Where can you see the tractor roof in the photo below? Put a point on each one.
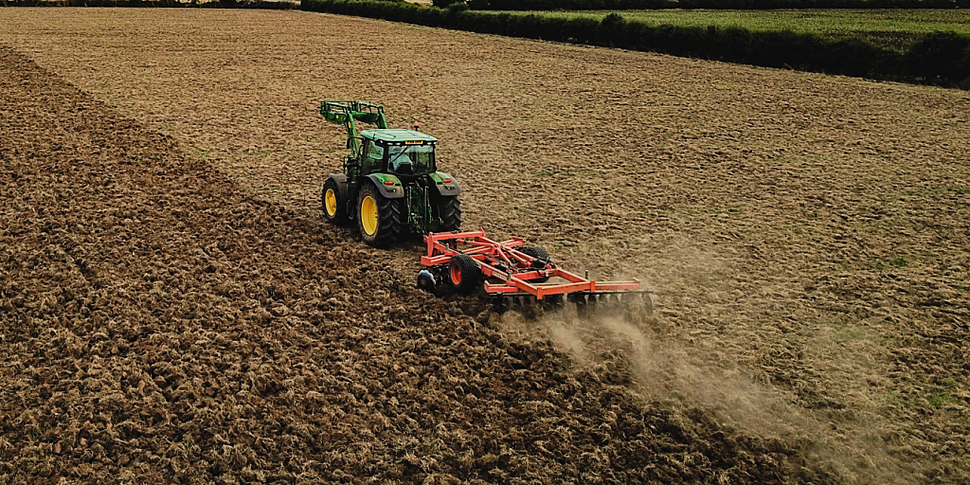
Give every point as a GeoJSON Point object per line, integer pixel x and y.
{"type": "Point", "coordinates": [397, 136]}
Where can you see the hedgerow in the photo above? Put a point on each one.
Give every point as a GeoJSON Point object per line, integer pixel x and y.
{"type": "Point", "coordinates": [706, 4]}
{"type": "Point", "coordinates": [941, 58]}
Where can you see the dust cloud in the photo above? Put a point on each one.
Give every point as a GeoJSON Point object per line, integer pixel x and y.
{"type": "Point", "coordinates": [654, 360]}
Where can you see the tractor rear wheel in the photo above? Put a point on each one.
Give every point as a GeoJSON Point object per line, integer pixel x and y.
{"type": "Point", "coordinates": [464, 275]}
{"type": "Point", "coordinates": [378, 218]}
{"type": "Point", "coordinates": [449, 211]}
{"type": "Point", "coordinates": [334, 206]}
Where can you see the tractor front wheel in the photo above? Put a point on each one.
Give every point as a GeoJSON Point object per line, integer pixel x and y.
{"type": "Point", "coordinates": [464, 275]}
{"type": "Point", "coordinates": [334, 206]}
{"type": "Point", "coordinates": [378, 218]}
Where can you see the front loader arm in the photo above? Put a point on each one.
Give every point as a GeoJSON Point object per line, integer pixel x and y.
{"type": "Point", "coordinates": [347, 112]}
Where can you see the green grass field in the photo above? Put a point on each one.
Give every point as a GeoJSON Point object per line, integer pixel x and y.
{"type": "Point", "coordinates": [893, 28]}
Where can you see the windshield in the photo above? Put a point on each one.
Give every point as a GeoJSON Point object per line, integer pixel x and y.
{"type": "Point", "coordinates": [411, 159]}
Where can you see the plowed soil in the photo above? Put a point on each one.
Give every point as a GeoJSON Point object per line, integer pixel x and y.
{"type": "Point", "coordinates": [174, 309]}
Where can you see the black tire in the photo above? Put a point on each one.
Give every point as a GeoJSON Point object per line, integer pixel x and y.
{"type": "Point", "coordinates": [449, 211]}
{"type": "Point", "coordinates": [536, 252]}
{"type": "Point", "coordinates": [379, 219]}
{"type": "Point", "coordinates": [542, 259]}
{"type": "Point", "coordinates": [334, 206]}
{"type": "Point", "coordinates": [464, 275]}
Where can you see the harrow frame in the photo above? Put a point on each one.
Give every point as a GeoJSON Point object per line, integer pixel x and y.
{"type": "Point", "coordinates": [521, 274]}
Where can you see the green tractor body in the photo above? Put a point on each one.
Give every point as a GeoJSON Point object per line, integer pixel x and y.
{"type": "Point", "coordinates": [390, 185]}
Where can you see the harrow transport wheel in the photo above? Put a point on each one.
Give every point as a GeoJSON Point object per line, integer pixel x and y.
{"type": "Point", "coordinates": [334, 207]}
{"type": "Point", "coordinates": [542, 257]}
{"type": "Point", "coordinates": [378, 218]}
{"type": "Point", "coordinates": [463, 273]}
{"type": "Point", "coordinates": [449, 211]}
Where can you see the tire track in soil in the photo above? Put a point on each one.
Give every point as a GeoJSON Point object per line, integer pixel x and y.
{"type": "Point", "coordinates": [159, 326]}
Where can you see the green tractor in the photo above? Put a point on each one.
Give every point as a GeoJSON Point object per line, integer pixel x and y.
{"type": "Point", "coordinates": [390, 185]}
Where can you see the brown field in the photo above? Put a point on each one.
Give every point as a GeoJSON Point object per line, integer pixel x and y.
{"type": "Point", "coordinates": [174, 309]}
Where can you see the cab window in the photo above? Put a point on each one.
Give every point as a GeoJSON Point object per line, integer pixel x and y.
{"type": "Point", "coordinates": [373, 157]}
{"type": "Point", "coordinates": [411, 159]}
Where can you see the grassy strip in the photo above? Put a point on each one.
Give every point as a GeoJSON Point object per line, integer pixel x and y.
{"type": "Point", "coordinates": [893, 28]}
{"type": "Point", "coordinates": [521, 5]}
{"type": "Point", "coordinates": [936, 57]}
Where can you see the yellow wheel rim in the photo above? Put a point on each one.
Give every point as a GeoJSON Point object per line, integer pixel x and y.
{"type": "Point", "coordinates": [368, 215]}
{"type": "Point", "coordinates": [331, 201]}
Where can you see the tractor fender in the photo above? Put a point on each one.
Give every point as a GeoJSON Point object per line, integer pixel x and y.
{"type": "Point", "coordinates": [388, 185]}
{"type": "Point", "coordinates": [444, 184]}
{"type": "Point", "coordinates": [341, 180]}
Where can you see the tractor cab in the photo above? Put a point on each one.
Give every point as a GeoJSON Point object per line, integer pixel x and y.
{"type": "Point", "coordinates": [397, 151]}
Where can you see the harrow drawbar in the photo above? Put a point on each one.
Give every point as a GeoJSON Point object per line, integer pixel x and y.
{"type": "Point", "coordinates": [516, 276]}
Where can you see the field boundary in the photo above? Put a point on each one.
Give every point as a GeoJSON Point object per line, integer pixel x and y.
{"type": "Point", "coordinates": [705, 4]}
{"type": "Point", "coordinates": [940, 58]}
